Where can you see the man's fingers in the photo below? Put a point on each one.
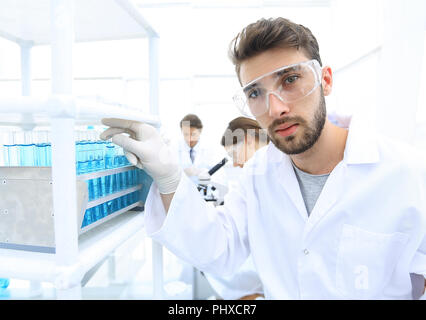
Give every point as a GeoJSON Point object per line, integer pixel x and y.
{"type": "Point", "coordinates": [137, 130]}
{"type": "Point", "coordinates": [129, 125]}
{"type": "Point", "coordinates": [117, 123]}
{"type": "Point", "coordinates": [108, 133]}
{"type": "Point", "coordinates": [131, 157]}
{"type": "Point", "coordinates": [127, 143]}
{"type": "Point", "coordinates": [133, 160]}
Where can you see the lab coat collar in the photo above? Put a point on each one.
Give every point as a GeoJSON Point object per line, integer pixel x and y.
{"type": "Point", "coordinates": [361, 146]}
{"type": "Point", "coordinates": [283, 168]}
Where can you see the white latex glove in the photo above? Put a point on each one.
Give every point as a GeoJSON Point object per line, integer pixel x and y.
{"type": "Point", "coordinates": [192, 171]}
{"type": "Point", "coordinates": [145, 149]}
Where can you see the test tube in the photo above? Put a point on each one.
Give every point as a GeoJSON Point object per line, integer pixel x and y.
{"type": "Point", "coordinates": [110, 180]}
{"type": "Point", "coordinates": [100, 164]}
{"type": "Point", "coordinates": [48, 151]}
{"type": "Point", "coordinates": [4, 283]}
{"type": "Point", "coordinates": [8, 149]}
{"type": "Point", "coordinates": [94, 184]}
{"type": "Point", "coordinates": [109, 207]}
{"type": "Point", "coordinates": [105, 209]}
{"type": "Point", "coordinates": [88, 217]}
{"type": "Point", "coordinates": [109, 155]}
{"type": "Point", "coordinates": [126, 200]}
{"type": "Point", "coordinates": [41, 145]}
{"type": "Point", "coordinates": [81, 157]}
{"type": "Point", "coordinates": [98, 212]}
{"type": "Point", "coordinates": [99, 155]}
{"type": "Point", "coordinates": [114, 205]}
{"type": "Point", "coordinates": [26, 148]}
{"type": "Point", "coordinates": [121, 175]}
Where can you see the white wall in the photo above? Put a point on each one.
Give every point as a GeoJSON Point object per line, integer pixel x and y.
{"type": "Point", "coordinates": [196, 75]}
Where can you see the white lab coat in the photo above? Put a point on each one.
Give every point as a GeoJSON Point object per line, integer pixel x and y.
{"type": "Point", "coordinates": [244, 282]}
{"type": "Point", "coordinates": [365, 235]}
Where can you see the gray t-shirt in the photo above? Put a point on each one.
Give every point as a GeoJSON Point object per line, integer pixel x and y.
{"type": "Point", "coordinates": [310, 186]}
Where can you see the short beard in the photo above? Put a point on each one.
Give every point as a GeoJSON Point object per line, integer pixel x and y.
{"type": "Point", "coordinates": [312, 133]}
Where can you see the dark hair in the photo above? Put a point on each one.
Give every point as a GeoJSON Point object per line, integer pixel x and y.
{"type": "Point", "coordinates": [239, 128]}
{"type": "Point", "coordinates": [268, 34]}
{"type": "Point", "coordinates": [193, 120]}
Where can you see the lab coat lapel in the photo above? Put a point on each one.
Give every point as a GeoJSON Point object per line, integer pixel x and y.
{"type": "Point", "coordinates": [288, 180]}
{"type": "Point", "coordinates": [329, 195]}
{"type": "Point", "coordinates": [361, 148]}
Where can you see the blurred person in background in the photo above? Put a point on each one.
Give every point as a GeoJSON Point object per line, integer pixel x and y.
{"type": "Point", "coordinates": [241, 139]}
{"type": "Point", "coordinates": [195, 156]}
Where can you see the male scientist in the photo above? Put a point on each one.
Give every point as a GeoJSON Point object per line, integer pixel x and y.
{"type": "Point", "coordinates": [194, 156]}
{"type": "Point", "coordinates": [326, 213]}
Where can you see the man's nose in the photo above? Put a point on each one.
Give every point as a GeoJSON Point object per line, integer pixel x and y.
{"type": "Point", "coordinates": [277, 107]}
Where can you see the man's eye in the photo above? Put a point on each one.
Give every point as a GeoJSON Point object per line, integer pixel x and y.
{"type": "Point", "coordinates": [290, 79]}
{"type": "Point", "coordinates": [253, 94]}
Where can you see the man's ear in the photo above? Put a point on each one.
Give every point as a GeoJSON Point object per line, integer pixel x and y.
{"type": "Point", "coordinates": [327, 80]}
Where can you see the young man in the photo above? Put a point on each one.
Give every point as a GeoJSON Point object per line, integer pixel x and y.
{"type": "Point", "coordinates": [194, 156]}
{"type": "Point", "coordinates": [326, 213]}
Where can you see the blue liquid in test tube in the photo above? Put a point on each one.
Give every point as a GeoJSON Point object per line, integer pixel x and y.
{"type": "Point", "coordinates": [27, 154]}
{"type": "Point", "coordinates": [100, 165]}
{"type": "Point", "coordinates": [4, 283]}
{"type": "Point", "coordinates": [88, 217]}
{"type": "Point", "coordinates": [91, 167]}
{"type": "Point", "coordinates": [98, 212]}
{"type": "Point", "coordinates": [11, 150]}
{"type": "Point", "coordinates": [6, 154]}
{"type": "Point", "coordinates": [82, 157]}
{"type": "Point", "coordinates": [27, 149]}
{"type": "Point", "coordinates": [41, 140]}
{"type": "Point", "coordinates": [48, 151]}
{"type": "Point", "coordinates": [109, 164]}
{"type": "Point", "coordinates": [109, 207]}
{"type": "Point", "coordinates": [105, 209]}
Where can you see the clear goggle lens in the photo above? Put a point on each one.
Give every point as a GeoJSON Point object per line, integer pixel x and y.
{"type": "Point", "coordinates": [289, 84]}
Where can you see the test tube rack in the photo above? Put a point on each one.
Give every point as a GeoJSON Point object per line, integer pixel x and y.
{"type": "Point", "coordinates": [26, 204]}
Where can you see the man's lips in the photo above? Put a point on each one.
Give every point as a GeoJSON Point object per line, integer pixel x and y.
{"type": "Point", "coordinates": [286, 129]}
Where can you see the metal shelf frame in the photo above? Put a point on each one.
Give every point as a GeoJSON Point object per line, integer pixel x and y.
{"type": "Point", "coordinates": [74, 257]}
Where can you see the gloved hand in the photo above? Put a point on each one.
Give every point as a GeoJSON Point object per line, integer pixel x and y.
{"type": "Point", "coordinates": [145, 149]}
{"type": "Point", "coordinates": [192, 171]}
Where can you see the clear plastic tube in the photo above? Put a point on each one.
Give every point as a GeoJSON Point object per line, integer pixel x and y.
{"type": "Point", "coordinates": [41, 141]}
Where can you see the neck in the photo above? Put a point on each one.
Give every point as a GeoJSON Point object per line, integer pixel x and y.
{"type": "Point", "coordinates": [326, 153]}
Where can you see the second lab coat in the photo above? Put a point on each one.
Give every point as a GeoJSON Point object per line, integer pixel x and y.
{"type": "Point", "coordinates": [206, 157]}
{"type": "Point", "coordinates": [365, 235]}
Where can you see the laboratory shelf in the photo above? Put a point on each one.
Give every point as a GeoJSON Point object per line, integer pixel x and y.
{"type": "Point", "coordinates": [93, 246]}
{"type": "Point", "coordinates": [94, 203]}
{"type": "Point", "coordinates": [59, 24]}
{"type": "Point", "coordinates": [24, 110]}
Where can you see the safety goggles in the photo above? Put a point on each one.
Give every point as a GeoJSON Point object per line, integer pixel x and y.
{"type": "Point", "coordinates": [289, 84]}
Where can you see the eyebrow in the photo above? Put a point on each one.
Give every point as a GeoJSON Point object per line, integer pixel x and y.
{"type": "Point", "coordinates": [276, 74]}
{"type": "Point", "coordinates": [248, 88]}
{"type": "Point", "coordinates": [281, 72]}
